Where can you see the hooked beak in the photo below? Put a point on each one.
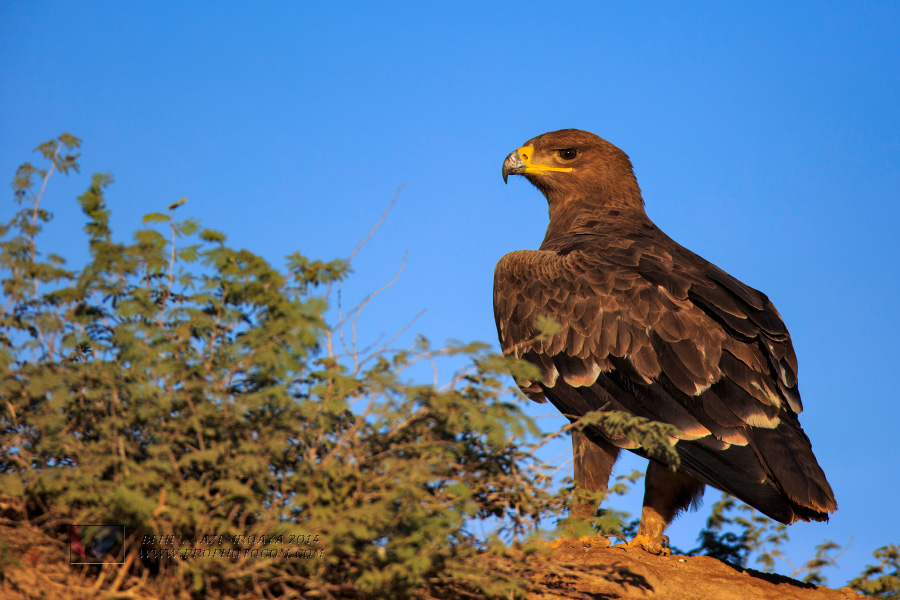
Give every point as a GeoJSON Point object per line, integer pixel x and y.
{"type": "Point", "coordinates": [513, 165]}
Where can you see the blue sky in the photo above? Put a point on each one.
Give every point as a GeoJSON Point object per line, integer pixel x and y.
{"type": "Point", "coordinates": [765, 137]}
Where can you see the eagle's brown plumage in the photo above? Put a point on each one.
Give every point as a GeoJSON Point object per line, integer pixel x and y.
{"type": "Point", "coordinates": [648, 327]}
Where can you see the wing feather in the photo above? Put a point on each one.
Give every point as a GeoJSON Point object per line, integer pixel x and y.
{"type": "Point", "coordinates": [647, 327]}
{"type": "Point", "coordinates": [748, 295]}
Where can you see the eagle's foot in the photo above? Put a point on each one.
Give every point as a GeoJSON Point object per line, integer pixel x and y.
{"type": "Point", "coordinates": [585, 542]}
{"type": "Point", "coordinates": [658, 545]}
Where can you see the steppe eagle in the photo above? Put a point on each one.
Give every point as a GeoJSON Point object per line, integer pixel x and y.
{"type": "Point", "coordinates": [648, 327]}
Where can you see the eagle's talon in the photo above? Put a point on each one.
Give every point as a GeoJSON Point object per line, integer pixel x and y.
{"type": "Point", "coordinates": [658, 545]}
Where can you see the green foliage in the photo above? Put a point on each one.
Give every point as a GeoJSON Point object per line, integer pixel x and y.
{"type": "Point", "coordinates": [756, 532]}
{"type": "Point", "coordinates": [607, 521]}
{"type": "Point", "coordinates": [881, 580]}
{"type": "Point", "coordinates": [734, 532]}
{"type": "Point", "coordinates": [655, 438]}
{"type": "Point", "coordinates": [182, 387]}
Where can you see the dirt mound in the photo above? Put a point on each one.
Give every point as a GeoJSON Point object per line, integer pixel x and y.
{"type": "Point", "coordinates": [626, 573]}
{"type": "Point", "coordinates": [35, 566]}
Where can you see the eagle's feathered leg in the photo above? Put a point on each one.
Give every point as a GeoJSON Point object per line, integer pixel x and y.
{"type": "Point", "coordinates": [666, 493]}
{"type": "Point", "coordinates": [593, 465]}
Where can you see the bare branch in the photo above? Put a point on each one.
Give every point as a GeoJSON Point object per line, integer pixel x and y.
{"type": "Point", "coordinates": [378, 224]}
{"type": "Point", "coordinates": [393, 338]}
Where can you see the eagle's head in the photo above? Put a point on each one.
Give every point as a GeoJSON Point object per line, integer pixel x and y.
{"type": "Point", "coordinates": [574, 165]}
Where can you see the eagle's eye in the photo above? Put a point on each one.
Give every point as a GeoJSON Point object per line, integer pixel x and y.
{"type": "Point", "coordinates": [567, 153]}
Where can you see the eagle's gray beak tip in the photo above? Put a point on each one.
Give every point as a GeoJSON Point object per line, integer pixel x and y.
{"type": "Point", "coordinates": [513, 165]}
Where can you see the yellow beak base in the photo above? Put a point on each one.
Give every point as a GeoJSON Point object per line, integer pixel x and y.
{"type": "Point", "coordinates": [519, 163]}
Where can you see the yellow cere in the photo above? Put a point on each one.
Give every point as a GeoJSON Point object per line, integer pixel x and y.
{"type": "Point", "coordinates": [526, 152]}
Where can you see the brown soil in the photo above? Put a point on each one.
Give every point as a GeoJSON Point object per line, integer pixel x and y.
{"type": "Point", "coordinates": [35, 566]}
{"type": "Point", "coordinates": [626, 573]}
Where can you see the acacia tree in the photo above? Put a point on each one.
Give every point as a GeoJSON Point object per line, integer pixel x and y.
{"type": "Point", "coordinates": [179, 386]}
